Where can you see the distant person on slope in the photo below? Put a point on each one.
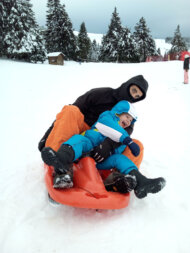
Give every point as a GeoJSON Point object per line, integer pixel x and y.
{"type": "Point", "coordinates": [111, 124]}
{"type": "Point", "coordinates": [186, 69]}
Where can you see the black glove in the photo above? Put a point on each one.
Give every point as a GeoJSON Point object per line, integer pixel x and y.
{"type": "Point", "coordinates": [42, 142]}
{"type": "Point", "coordinates": [104, 150]}
{"type": "Point", "coordinates": [119, 182]}
{"type": "Point", "coordinates": [132, 145]}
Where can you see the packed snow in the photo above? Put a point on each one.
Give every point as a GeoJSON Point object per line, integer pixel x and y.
{"type": "Point", "coordinates": [31, 95]}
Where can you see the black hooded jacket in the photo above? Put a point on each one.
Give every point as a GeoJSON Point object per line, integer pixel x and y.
{"type": "Point", "coordinates": [98, 100]}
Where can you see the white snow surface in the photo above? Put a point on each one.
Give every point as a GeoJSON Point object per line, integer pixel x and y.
{"type": "Point", "coordinates": [31, 95]}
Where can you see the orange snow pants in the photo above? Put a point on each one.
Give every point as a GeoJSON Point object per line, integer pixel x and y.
{"type": "Point", "coordinates": [70, 121]}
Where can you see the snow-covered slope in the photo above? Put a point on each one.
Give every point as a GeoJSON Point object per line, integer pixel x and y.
{"type": "Point", "coordinates": [164, 47]}
{"type": "Point", "coordinates": [30, 97]}
{"type": "Point", "coordinates": [160, 43]}
{"type": "Point", "coordinates": [93, 36]}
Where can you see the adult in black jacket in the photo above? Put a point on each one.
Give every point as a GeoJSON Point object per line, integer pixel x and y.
{"type": "Point", "coordinates": [84, 112]}
{"type": "Point", "coordinates": [98, 100]}
{"type": "Point", "coordinates": [74, 119]}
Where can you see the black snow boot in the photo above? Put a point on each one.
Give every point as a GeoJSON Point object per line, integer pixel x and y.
{"type": "Point", "coordinates": [63, 181]}
{"type": "Point", "coordinates": [62, 163]}
{"type": "Point", "coordinates": [147, 185]}
{"type": "Point", "coordinates": [60, 160]}
{"type": "Point", "coordinates": [117, 182]}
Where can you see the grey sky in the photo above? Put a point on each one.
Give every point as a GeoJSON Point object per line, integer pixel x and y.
{"type": "Point", "coordinates": [162, 16]}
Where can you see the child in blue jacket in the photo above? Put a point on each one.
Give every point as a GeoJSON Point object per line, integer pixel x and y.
{"type": "Point", "coordinates": [110, 124]}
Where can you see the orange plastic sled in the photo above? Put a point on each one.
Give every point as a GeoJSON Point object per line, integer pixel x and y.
{"type": "Point", "coordinates": [88, 190]}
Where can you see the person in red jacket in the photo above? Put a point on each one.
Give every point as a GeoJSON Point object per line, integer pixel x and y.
{"type": "Point", "coordinates": [186, 69]}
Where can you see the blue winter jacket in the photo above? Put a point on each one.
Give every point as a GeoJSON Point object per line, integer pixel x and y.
{"type": "Point", "coordinates": [108, 125]}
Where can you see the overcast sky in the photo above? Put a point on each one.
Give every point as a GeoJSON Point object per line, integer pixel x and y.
{"type": "Point", "coordinates": [162, 16]}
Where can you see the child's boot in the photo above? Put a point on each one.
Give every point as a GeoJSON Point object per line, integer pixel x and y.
{"type": "Point", "coordinates": [147, 185]}
{"type": "Point", "coordinates": [62, 163]}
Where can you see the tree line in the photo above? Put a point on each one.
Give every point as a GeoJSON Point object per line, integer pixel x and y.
{"type": "Point", "coordinates": [22, 38]}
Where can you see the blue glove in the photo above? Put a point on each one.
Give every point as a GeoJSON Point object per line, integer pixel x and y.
{"type": "Point", "coordinates": [132, 145]}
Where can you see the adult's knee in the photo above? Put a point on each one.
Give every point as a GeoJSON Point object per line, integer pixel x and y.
{"type": "Point", "coordinates": [71, 111]}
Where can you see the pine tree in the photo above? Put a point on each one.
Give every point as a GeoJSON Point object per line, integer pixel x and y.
{"type": "Point", "coordinates": [59, 34]}
{"type": "Point", "coordinates": [2, 14]}
{"type": "Point", "coordinates": [5, 8]}
{"type": "Point", "coordinates": [8, 4]}
{"type": "Point", "coordinates": [23, 39]}
{"type": "Point", "coordinates": [94, 51]}
{"type": "Point", "coordinates": [145, 43]}
{"type": "Point", "coordinates": [84, 43]}
{"type": "Point", "coordinates": [159, 51]}
{"type": "Point", "coordinates": [178, 43]}
{"type": "Point", "coordinates": [111, 41]}
{"type": "Point", "coordinates": [51, 22]}
{"type": "Point", "coordinates": [68, 39]}
{"type": "Point", "coordinates": [127, 47]}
